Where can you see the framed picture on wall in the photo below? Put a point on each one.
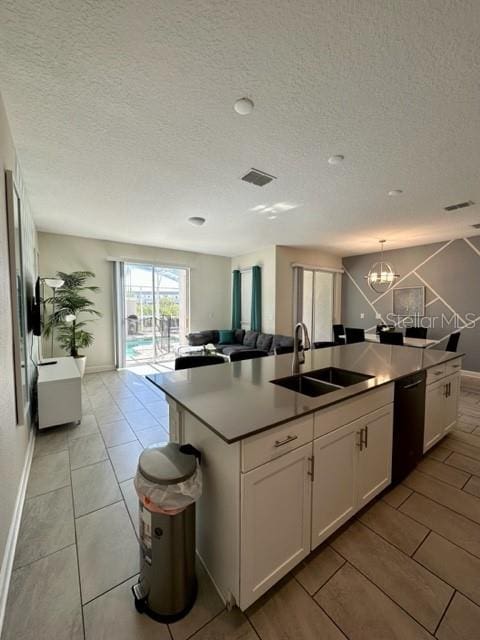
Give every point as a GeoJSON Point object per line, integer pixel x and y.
{"type": "Point", "coordinates": [18, 296]}
{"type": "Point", "coordinates": [409, 301]}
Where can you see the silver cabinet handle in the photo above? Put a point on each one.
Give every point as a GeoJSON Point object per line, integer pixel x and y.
{"type": "Point", "coordinates": [360, 439]}
{"type": "Point", "coordinates": [365, 442]}
{"type": "Point", "coordinates": [455, 366]}
{"type": "Point", "coordinates": [437, 373]}
{"type": "Point", "coordinates": [311, 471]}
{"type": "Point", "coordinates": [279, 443]}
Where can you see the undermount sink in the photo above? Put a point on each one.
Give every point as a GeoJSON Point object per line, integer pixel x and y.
{"type": "Point", "coordinates": [338, 377]}
{"type": "Point", "coordinates": [322, 381]}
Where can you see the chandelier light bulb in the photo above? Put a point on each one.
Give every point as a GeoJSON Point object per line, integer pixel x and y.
{"type": "Point", "coordinates": [382, 275]}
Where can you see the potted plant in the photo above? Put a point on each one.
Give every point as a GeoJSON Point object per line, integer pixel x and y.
{"type": "Point", "coordinates": [69, 304]}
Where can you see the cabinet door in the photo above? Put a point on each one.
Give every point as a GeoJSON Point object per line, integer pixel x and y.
{"type": "Point", "coordinates": [333, 497]}
{"type": "Point", "coordinates": [275, 528]}
{"type": "Point", "coordinates": [374, 469]}
{"type": "Point", "coordinates": [435, 420]}
{"type": "Point", "coordinates": [451, 402]}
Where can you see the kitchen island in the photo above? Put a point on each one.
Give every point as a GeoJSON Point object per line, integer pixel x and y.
{"type": "Point", "coordinates": [283, 470]}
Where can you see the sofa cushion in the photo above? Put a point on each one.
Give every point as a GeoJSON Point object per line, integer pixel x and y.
{"type": "Point", "coordinates": [199, 338]}
{"type": "Point", "coordinates": [264, 341]}
{"type": "Point", "coordinates": [239, 336]}
{"type": "Point", "coordinates": [226, 336]}
{"type": "Point", "coordinates": [250, 339]}
{"type": "Point", "coordinates": [231, 348]}
{"type": "Point", "coordinates": [281, 341]}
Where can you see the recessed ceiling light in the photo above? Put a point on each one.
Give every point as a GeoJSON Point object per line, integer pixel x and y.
{"type": "Point", "coordinates": [244, 106]}
{"type": "Point", "coordinates": [336, 159]}
{"type": "Point", "coordinates": [197, 221]}
{"type": "Point", "coordinates": [395, 192]}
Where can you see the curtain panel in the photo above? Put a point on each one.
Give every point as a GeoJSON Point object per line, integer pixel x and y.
{"type": "Point", "coordinates": [236, 299]}
{"type": "Point", "coordinates": [256, 312]}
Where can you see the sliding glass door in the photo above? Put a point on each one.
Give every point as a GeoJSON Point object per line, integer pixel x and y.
{"type": "Point", "coordinates": [318, 304]}
{"type": "Point", "coordinates": [155, 314]}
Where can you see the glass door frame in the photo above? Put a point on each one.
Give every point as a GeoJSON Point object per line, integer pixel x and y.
{"type": "Point", "coordinates": [120, 318]}
{"type": "Point", "coordinates": [298, 270]}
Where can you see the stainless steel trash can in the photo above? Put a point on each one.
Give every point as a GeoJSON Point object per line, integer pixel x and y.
{"type": "Point", "coordinates": [168, 482]}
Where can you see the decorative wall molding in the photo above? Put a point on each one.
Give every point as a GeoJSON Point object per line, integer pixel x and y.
{"type": "Point", "coordinates": [447, 270]}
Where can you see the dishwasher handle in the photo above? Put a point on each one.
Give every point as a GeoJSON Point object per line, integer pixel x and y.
{"type": "Point", "coordinates": [413, 384]}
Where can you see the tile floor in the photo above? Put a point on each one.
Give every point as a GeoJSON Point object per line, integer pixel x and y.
{"type": "Point", "coordinates": [408, 567]}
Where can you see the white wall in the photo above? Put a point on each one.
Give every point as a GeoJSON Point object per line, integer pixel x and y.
{"type": "Point", "coordinates": [277, 281]}
{"type": "Point", "coordinates": [210, 297]}
{"type": "Point", "coordinates": [265, 258]}
{"type": "Point", "coordinates": [285, 257]}
{"type": "Point", "coordinates": [13, 438]}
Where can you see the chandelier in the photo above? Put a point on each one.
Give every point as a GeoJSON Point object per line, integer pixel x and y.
{"type": "Point", "coordinates": [382, 275]}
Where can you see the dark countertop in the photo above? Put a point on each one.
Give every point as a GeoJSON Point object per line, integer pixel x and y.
{"type": "Point", "coordinates": [237, 399]}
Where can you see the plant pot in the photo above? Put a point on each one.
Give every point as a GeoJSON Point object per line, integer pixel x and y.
{"type": "Point", "coordinates": [81, 362]}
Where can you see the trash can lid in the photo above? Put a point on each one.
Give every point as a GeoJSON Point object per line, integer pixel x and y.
{"type": "Point", "coordinates": [166, 464]}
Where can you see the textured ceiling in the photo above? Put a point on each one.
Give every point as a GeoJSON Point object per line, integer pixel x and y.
{"type": "Point", "coordinates": [122, 116]}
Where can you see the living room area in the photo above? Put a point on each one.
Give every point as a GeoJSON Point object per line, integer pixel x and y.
{"type": "Point", "coordinates": [289, 192]}
{"type": "Point", "coordinates": [144, 325]}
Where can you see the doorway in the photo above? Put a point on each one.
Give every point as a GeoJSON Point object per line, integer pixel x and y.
{"type": "Point", "coordinates": [154, 313]}
{"type": "Point", "coordinates": [318, 292]}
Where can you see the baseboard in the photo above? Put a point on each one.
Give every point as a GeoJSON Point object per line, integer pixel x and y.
{"type": "Point", "coordinates": [9, 554]}
{"type": "Point", "coordinates": [100, 368]}
{"type": "Point", "coordinates": [470, 380]}
{"type": "Point", "coordinates": [470, 374]}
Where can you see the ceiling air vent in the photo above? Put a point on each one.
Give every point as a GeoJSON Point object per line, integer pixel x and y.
{"type": "Point", "coordinates": [258, 178]}
{"type": "Point", "coordinates": [476, 226]}
{"type": "Point", "coordinates": [459, 205]}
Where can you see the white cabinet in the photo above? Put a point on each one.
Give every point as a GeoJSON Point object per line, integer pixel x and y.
{"type": "Point", "coordinates": [59, 388]}
{"type": "Point", "coordinates": [275, 521]}
{"type": "Point", "coordinates": [334, 492]}
{"type": "Point", "coordinates": [352, 465]}
{"type": "Point", "coordinates": [452, 397]}
{"type": "Point", "coordinates": [374, 468]}
{"type": "Point", "coordinates": [441, 408]}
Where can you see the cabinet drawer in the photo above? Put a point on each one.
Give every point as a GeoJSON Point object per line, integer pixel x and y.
{"type": "Point", "coordinates": [273, 443]}
{"type": "Point", "coordinates": [333, 417]}
{"type": "Point", "coordinates": [435, 373]}
{"type": "Point", "coordinates": [453, 367]}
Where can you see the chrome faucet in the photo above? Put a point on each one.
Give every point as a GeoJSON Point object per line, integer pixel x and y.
{"type": "Point", "coordinates": [299, 356]}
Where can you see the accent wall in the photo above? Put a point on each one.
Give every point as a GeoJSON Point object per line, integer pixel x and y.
{"type": "Point", "coordinates": [449, 271]}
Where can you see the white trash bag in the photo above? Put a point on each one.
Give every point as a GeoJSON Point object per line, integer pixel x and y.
{"type": "Point", "coordinates": [169, 499]}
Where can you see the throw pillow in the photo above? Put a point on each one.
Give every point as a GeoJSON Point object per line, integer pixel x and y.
{"type": "Point", "coordinates": [226, 336]}
{"type": "Point", "coordinates": [250, 339]}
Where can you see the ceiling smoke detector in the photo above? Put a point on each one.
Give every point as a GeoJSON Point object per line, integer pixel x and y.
{"type": "Point", "coordinates": [258, 178]}
{"type": "Point", "coordinates": [336, 159]}
{"type": "Point", "coordinates": [197, 221]}
{"type": "Point", "coordinates": [459, 205]}
{"type": "Point", "coordinates": [244, 106]}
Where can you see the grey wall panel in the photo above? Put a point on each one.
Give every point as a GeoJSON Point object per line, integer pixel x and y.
{"type": "Point", "coordinates": [455, 275]}
{"type": "Point", "coordinates": [450, 270]}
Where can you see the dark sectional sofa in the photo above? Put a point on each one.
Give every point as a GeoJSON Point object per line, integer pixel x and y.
{"type": "Point", "coordinates": [243, 340]}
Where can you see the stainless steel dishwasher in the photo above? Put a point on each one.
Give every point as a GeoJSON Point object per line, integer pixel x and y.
{"type": "Point", "coordinates": [408, 424]}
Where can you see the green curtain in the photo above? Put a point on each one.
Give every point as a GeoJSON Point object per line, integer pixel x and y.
{"type": "Point", "coordinates": [236, 300]}
{"type": "Point", "coordinates": [256, 318]}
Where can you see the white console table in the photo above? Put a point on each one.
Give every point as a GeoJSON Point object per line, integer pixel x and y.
{"type": "Point", "coordinates": [59, 393]}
